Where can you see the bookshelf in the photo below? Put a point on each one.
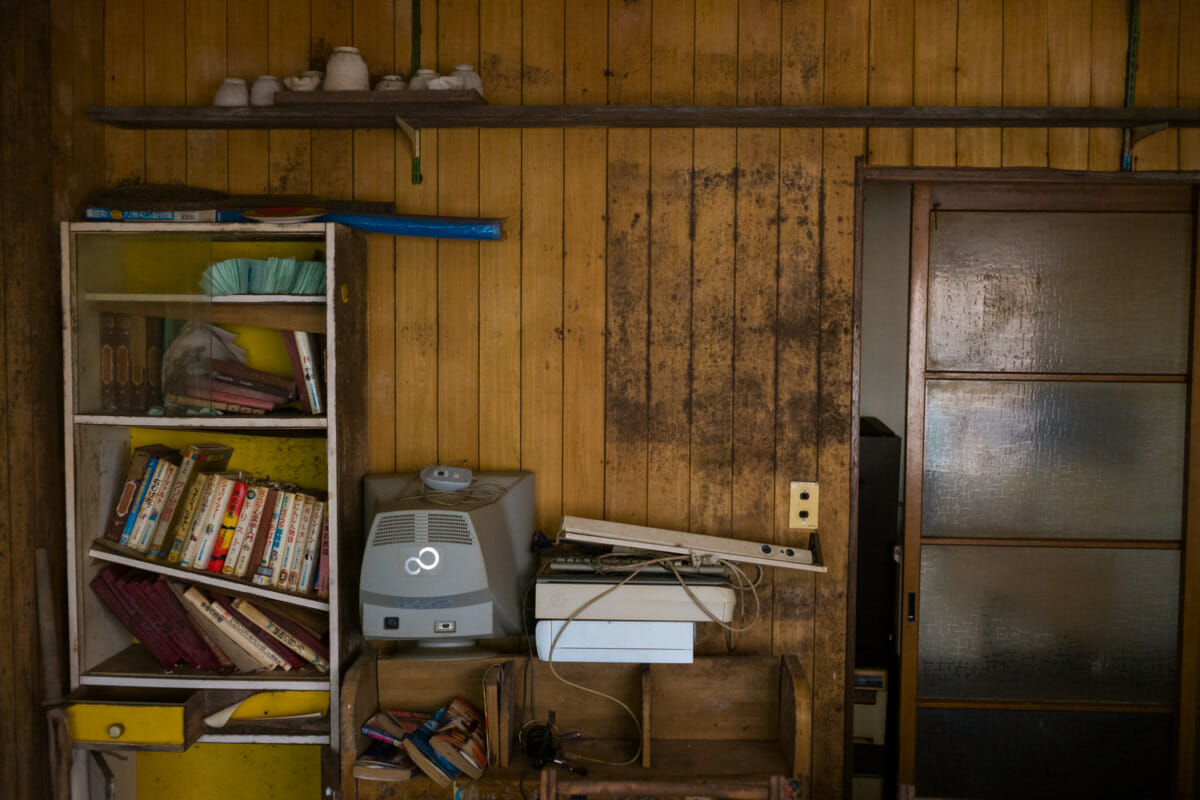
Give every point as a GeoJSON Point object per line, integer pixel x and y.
{"type": "Point", "coordinates": [152, 270]}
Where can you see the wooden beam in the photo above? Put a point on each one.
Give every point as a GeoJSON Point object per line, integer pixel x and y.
{"type": "Point", "coordinates": [469, 115]}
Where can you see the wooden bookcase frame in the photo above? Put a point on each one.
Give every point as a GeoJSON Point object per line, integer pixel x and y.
{"type": "Point", "coordinates": [103, 657]}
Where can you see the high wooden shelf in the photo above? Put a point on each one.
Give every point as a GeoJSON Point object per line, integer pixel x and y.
{"type": "Point", "coordinates": [150, 270]}
{"type": "Point", "coordinates": [381, 114]}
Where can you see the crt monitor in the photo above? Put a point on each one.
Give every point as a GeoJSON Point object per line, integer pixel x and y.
{"type": "Point", "coordinates": [445, 568]}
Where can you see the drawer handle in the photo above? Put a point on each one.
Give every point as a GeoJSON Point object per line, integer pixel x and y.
{"type": "Point", "coordinates": [116, 730]}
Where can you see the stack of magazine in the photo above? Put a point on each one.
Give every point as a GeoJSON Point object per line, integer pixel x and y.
{"type": "Point", "coordinates": [446, 745]}
{"type": "Point", "coordinates": [264, 276]}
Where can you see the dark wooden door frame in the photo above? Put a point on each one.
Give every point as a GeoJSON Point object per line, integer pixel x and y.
{"type": "Point", "coordinates": [1003, 191]}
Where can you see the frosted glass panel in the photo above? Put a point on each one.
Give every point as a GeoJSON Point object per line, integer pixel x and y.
{"type": "Point", "coordinates": [1041, 623]}
{"type": "Point", "coordinates": [1054, 459]}
{"type": "Point", "coordinates": [1059, 292]}
{"type": "Point", "coordinates": [1035, 754]}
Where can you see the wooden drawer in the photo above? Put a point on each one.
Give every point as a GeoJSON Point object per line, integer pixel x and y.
{"type": "Point", "coordinates": [145, 719]}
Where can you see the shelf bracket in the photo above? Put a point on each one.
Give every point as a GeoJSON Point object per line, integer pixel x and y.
{"type": "Point", "coordinates": [414, 139]}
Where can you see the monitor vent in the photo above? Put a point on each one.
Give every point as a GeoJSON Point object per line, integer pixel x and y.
{"type": "Point", "coordinates": [395, 529]}
{"type": "Point", "coordinates": [449, 529]}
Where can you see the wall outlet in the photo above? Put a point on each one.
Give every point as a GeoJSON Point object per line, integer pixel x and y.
{"type": "Point", "coordinates": [802, 511]}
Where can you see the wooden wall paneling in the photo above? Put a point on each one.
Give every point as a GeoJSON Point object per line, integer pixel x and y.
{"type": "Point", "coordinates": [124, 150]}
{"type": "Point", "coordinates": [980, 77]}
{"type": "Point", "coordinates": [458, 296]}
{"type": "Point", "coordinates": [289, 163]}
{"type": "Point", "coordinates": [628, 244]}
{"type": "Point", "coordinates": [165, 85]}
{"type": "Point", "coordinates": [331, 174]}
{"type": "Point", "coordinates": [796, 349]}
{"type": "Point", "coordinates": [756, 256]}
{"type": "Point", "coordinates": [935, 74]}
{"type": "Point", "coordinates": [375, 176]}
{"type": "Point", "coordinates": [1189, 81]}
{"type": "Point", "coordinates": [31, 399]}
{"type": "Point", "coordinates": [77, 49]}
{"type": "Point", "coordinates": [1068, 44]}
{"type": "Point", "coordinates": [207, 150]}
{"type": "Point", "coordinates": [248, 57]}
{"type": "Point", "coordinates": [500, 262]}
{"type": "Point", "coordinates": [845, 84]}
{"type": "Point", "coordinates": [542, 262]}
{"type": "Point", "coordinates": [890, 80]}
{"type": "Point", "coordinates": [411, 378]}
{"type": "Point", "coordinates": [1110, 36]}
{"type": "Point", "coordinates": [669, 346]}
{"type": "Point", "coordinates": [1158, 80]}
{"type": "Point", "coordinates": [1025, 79]}
{"type": "Point", "coordinates": [714, 220]}
{"type": "Point", "coordinates": [585, 154]}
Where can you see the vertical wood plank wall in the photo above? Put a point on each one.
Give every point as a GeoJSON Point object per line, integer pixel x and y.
{"type": "Point", "coordinates": [665, 335]}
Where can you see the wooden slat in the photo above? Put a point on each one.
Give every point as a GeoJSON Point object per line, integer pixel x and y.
{"type": "Point", "coordinates": [1109, 38]}
{"type": "Point", "coordinates": [500, 262]}
{"type": "Point", "coordinates": [289, 163]}
{"type": "Point", "coordinates": [796, 344]}
{"type": "Point", "coordinates": [542, 264]}
{"type": "Point", "coordinates": [458, 297]}
{"type": "Point", "coordinates": [980, 59]}
{"type": "Point", "coordinates": [125, 151]}
{"type": "Point", "coordinates": [1158, 79]}
{"type": "Point", "coordinates": [669, 347]}
{"type": "Point", "coordinates": [934, 76]}
{"type": "Point", "coordinates": [584, 168]}
{"type": "Point", "coordinates": [32, 445]}
{"type": "Point", "coordinates": [166, 84]}
{"type": "Point", "coordinates": [714, 163]}
{"type": "Point", "coordinates": [375, 178]}
{"type": "Point", "coordinates": [331, 25]}
{"type": "Point", "coordinates": [1026, 79]}
{"type": "Point", "coordinates": [892, 68]}
{"type": "Point", "coordinates": [845, 82]}
{"type": "Point", "coordinates": [1189, 81]}
{"type": "Point", "coordinates": [1069, 39]}
{"type": "Point", "coordinates": [628, 244]}
{"type": "Point", "coordinates": [756, 253]}
{"type": "Point", "coordinates": [246, 33]}
{"type": "Point", "coordinates": [413, 371]}
{"type": "Point", "coordinates": [207, 151]}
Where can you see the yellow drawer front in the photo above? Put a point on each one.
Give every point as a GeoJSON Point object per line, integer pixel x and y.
{"type": "Point", "coordinates": [132, 725]}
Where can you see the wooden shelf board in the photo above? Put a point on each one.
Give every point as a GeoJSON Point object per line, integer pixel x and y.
{"type": "Point", "coordinates": [379, 114]}
{"type": "Point", "coordinates": [283, 421]}
{"type": "Point", "coordinates": [105, 550]}
{"type": "Point", "coordinates": [740, 763]}
{"type": "Point", "coordinates": [135, 666]}
{"type": "Point", "coordinates": [286, 312]}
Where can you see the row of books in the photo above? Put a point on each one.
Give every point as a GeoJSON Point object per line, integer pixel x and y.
{"type": "Point", "coordinates": [131, 348]}
{"type": "Point", "coordinates": [189, 509]}
{"type": "Point", "coordinates": [444, 745]}
{"type": "Point", "coordinates": [134, 377]}
{"type": "Point", "coordinates": [181, 624]}
{"type": "Point", "coordinates": [231, 386]}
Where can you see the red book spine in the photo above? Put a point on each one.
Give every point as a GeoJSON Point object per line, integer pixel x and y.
{"type": "Point", "coordinates": [183, 634]}
{"type": "Point", "coordinates": [228, 524]}
{"type": "Point", "coordinates": [289, 340]}
{"type": "Point", "coordinates": [154, 639]}
{"type": "Point", "coordinates": [206, 390]}
{"type": "Point", "coordinates": [301, 633]}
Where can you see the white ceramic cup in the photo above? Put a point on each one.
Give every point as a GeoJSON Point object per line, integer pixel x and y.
{"type": "Point", "coordinates": [262, 91]}
{"type": "Point", "coordinates": [421, 79]}
{"type": "Point", "coordinates": [232, 92]}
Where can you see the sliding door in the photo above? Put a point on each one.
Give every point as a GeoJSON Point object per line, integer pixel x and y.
{"type": "Point", "coordinates": [1048, 430]}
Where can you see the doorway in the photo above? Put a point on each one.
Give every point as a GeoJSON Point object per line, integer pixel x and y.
{"type": "Point", "coordinates": [1046, 646]}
